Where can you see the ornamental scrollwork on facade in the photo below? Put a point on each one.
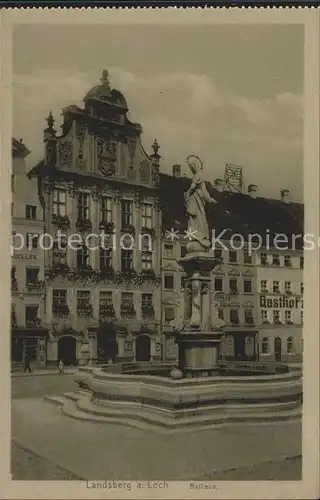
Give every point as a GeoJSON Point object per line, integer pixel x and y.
{"type": "Point", "coordinates": [71, 190]}
{"type": "Point", "coordinates": [117, 196]}
{"type": "Point", "coordinates": [144, 171]}
{"type": "Point", "coordinates": [137, 199]}
{"type": "Point", "coordinates": [131, 148]}
{"type": "Point", "coordinates": [131, 174]}
{"type": "Point", "coordinates": [65, 153]}
{"type": "Point", "coordinates": [95, 195]}
{"type": "Point", "coordinates": [155, 175]}
{"type": "Point", "coordinates": [157, 205]}
{"type": "Point", "coordinates": [81, 134]}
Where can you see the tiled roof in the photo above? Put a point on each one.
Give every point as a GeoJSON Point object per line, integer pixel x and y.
{"type": "Point", "coordinates": [239, 213]}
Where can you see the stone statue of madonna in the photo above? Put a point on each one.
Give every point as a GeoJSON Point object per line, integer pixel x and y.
{"type": "Point", "coordinates": [196, 199]}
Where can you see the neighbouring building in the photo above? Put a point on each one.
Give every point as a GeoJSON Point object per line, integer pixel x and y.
{"type": "Point", "coordinates": [281, 287]}
{"type": "Point", "coordinates": [96, 178]}
{"type": "Point", "coordinates": [28, 331]}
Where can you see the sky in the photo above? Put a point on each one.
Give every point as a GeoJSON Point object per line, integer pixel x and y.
{"type": "Point", "coordinates": [227, 93]}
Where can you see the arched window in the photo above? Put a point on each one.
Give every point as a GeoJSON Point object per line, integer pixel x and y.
{"type": "Point", "coordinates": [290, 345]}
{"type": "Point", "coordinates": [265, 345]}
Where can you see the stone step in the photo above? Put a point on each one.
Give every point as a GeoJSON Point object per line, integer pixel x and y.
{"type": "Point", "coordinates": [145, 418]}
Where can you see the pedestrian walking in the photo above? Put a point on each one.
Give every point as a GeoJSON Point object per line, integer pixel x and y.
{"type": "Point", "coordinates": [27, 363]}
{"type": "Point", "coordinates": [61, 366]}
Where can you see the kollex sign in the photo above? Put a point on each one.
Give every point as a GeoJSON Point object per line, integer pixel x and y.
{"type": "Point", "coordinates": [280, 302]}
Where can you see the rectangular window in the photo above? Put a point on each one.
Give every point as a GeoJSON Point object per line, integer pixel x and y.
{"type": "Point", "coordinates": [233, 285]}
{"type": "Point", "coordinates": [126, 260]}
{"type": "Point", "coordinates": [233, 256]}
{"type": "Point", "coordinates": [127, 305]}
{"type": "Point", "coordinates": [146, 300]}
{"type": "Point", "coordinates": [126, 213]}
{"type": "Point", "coordinates": [105, 299]}
{"type": "Point", "coordinates": [32, 316]}
{"type": "Point", "coordinates": [247, 286]}
{"type": "Point", "coordinates": [31, 212]}
{"type": "Point", "coordinates": [288, 316]}
{"type": "Point", "coordinates": [264, 315]}
{"type": "Point", "coordinates": [248, 316]}
{"type": "Point", "coordinates": [83, 206]}
{"type": "Point", "coordinates": [12, 209]}
{"type": "Point", "coordinates": [83, 300]}
{"type": "Point", "coordinates": [288, 286]}
{"type": "Point", "coordinates": [275, 259]}
{"type": "Point", "coordinates": [146, 259]}
{"type": "Point", "coordinates": [183, 251]}
{"type": "Point", "coordinates": [234, 316]}
{"type": "Point", "coordinates": [287, 261]}
{"type": "Point", "coordinates": [276, 287]}
{"type": "Point", "coordinates": [168, 250]}
{"type": "Point", "coordinates": [263, 286]}
{"type": "Point", "coordinates": [301, 262]}
{"type": "Point", "coordinates": [301, 288]}
{"type": "Point", "coordinates": [106, 209]}
{"type": "Point", "coordinates": [276, 316]}
{"type": "Point", "coordinates": [146, 215]}
{"type": "Point", "coordinates": [105, 258]}
{"type": "Point", "coordinates": [83, 257]}
{"type": "Point", "coordinates": [247, 258]}
{"type": "Point", "coordinates": [218, 254]}
{"type": "Point", "coordinates": [168, 281]}
{"type": "Point", "coordinates": [32, 275]}
{"type": "Point", "coordinates": [13, 184]}
{"type": "Point", "coordinates": [59, 202]}
{"type": "Point", "coordinates": [263, 258]}
{"type": "Point", "coordinates": [59, 298]}
{"type": "Point", "coordinates": [218, 284]}
{"type": "Point", "coordinates": [301, 316]}
{"type": "Point", "coordinates": [32, 241]}
{"type": "Point", "coordinates": [265, 345]}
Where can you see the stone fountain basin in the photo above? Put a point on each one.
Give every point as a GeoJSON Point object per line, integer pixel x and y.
{"type": "Point", "coordinates": [117, 394]}
{"type": "Point", "coordinates": [252, 393]}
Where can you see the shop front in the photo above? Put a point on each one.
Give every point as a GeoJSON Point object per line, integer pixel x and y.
{"type": "Point", "coordinates": [30, 343]}
{"type": "Point", "coordinates": [282, 344]}
{"type": "Point", "coordinates": [240, 345]}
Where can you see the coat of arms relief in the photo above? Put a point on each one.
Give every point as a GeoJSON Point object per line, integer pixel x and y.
{"type": "Point", "coordinates": [106, 156]}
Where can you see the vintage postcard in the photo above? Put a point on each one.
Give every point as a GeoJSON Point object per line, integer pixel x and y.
{"type": "Point", "coordinates": [160, 253]}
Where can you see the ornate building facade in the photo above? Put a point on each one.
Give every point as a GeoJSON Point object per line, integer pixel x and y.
{"type": "Point", "coordinates": [28, 333]}
{"type": "Point", "coordinates": [99, 190]}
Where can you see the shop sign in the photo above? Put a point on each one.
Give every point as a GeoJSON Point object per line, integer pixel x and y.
{"type": "Point", "coordinates": [283, 302]}
{"type": "Point", "coordinates": [221, 298]}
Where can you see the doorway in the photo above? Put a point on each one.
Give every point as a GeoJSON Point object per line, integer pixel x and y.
{"type": "Point", "coordinates": [143, 352]}
{"type": "Point", "coordinates": [67, 350]}
{"type": "Point", "coordinates": [107, 347]}
{"type": "Point", "coordinates": [277, 348]}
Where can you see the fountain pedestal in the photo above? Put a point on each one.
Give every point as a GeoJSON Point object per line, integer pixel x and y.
{"type": "Point", "coordinates": [199, 339]}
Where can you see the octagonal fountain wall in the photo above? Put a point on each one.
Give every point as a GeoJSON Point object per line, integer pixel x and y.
{"type": "Point", "coordinates": [128, 394]}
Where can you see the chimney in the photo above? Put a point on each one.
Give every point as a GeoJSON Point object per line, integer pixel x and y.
{"type": "Point", "coordinates": [176, 171]}
{"type": "Point", "coordinates": [252, 190]}
{"type": "Point", "coordinates": [284, 193]}
{"type": "Point", "coordinates": [218, 184]}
